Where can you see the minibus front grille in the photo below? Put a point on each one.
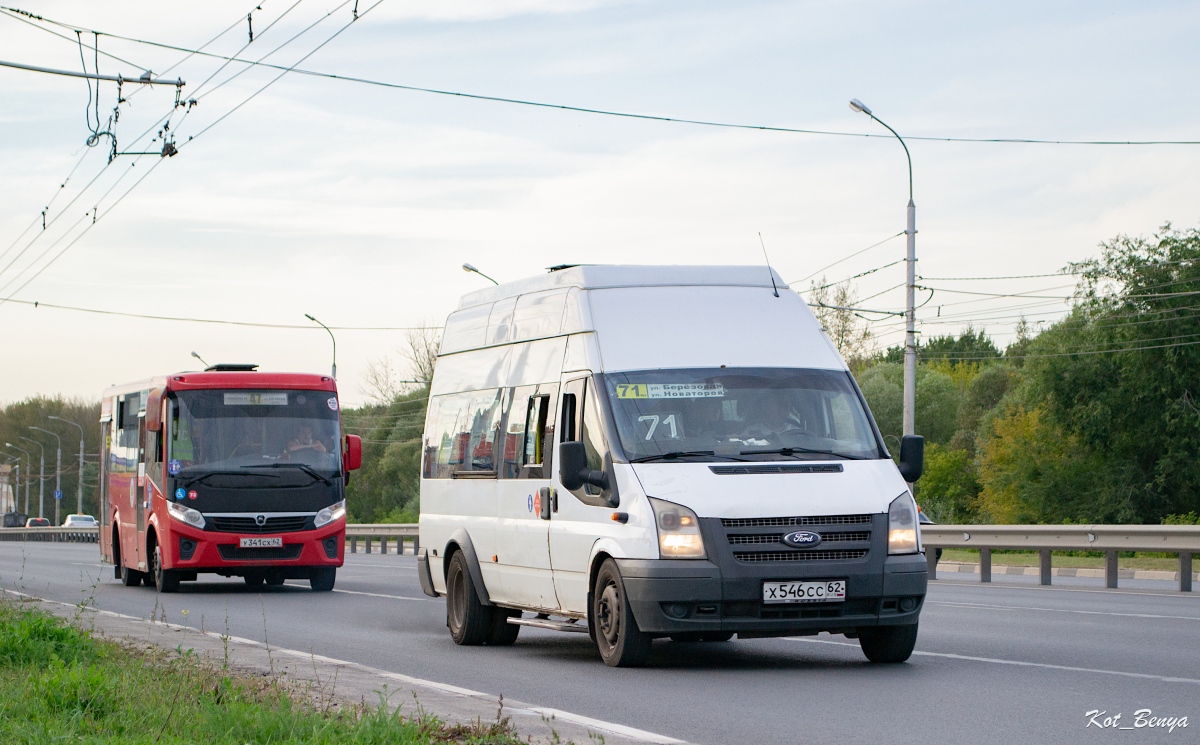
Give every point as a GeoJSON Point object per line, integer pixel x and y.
{"type": "Point", "coordinates": [768, 538]}
{"type": "Point", "coordinates": [755, 557]}
{"type": "Point", "coordinates": [783, 522]}
{"type": "Point", "coordinates": [289, 524]}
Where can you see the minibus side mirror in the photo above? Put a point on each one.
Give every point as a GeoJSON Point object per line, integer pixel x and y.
{"type": "Point", "coordinates": [353, 458]}
{"type": "Point", "coordinates": [572, 468]}
{"type": "Point", "coordinates": [912, 457]}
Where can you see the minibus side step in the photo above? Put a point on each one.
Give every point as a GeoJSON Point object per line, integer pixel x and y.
{"type": "Point", "coordinates": [546, 623]}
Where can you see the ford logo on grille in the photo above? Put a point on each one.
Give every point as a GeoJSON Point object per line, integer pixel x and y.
{"type": "Point", "coordinates": [802, 539]}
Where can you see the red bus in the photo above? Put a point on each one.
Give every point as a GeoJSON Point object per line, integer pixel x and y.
{"type": "Point", "coordinates": [228, 471]}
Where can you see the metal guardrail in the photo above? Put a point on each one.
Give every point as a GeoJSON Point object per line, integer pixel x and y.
{"type": "Point", "coordinates": [354, 533]}
{"type": "Point", "coordinates": [1183, 540]}
{"type": "Point", "coordinates": [382, 532]}
{"type": "Point", "coordinates": [51, 534]}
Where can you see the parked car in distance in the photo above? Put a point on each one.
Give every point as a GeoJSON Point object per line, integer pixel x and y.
{"type": "Point", "coordinates": [37, 522]}
{"type": "Point", "coordinates": [79, 521]}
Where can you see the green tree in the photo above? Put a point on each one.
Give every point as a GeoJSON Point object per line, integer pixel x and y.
{"type": "Point", "coordinates": [949, 490]}
{"type": "Point", "coordinates": [1121, 373]}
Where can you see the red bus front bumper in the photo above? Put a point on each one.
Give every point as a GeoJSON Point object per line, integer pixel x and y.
{"type": "Point", "coordinates": [189, 549]}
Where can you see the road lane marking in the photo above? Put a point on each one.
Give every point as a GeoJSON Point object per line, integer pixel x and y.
{"type": "Point", "coordinates": [381, 595]}
{"type": "Point", "coordinates": [538, 711]}
{"type": "Point", "coordinates": [1016, 663]}
{"type": "Point", "coordinates": [1061, 610]}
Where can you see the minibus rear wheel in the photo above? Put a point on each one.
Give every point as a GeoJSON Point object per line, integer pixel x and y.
{"type": "Point", "coordinates": [469, 620]}
{"type": "Point", "coordinates": [620, 641]}
{"type": "Point", "coordinates": [501, 633]}
{"type": "Point", "coordinates": [888, 644]}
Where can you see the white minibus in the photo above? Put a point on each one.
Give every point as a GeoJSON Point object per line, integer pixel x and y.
{"type": "Point", "coordinates": [638, 452]}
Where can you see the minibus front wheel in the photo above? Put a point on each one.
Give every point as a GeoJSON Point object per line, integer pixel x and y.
{"type": "Point", "coordinates": [888, 644]}
{"type": "Point", "coordinates": [620, 641]}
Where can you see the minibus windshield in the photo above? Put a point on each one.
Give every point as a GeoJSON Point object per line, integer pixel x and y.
{"type": "Point", "coordinates": [692, 415]}
{"type": "Point", "coordinates": [267, 433]}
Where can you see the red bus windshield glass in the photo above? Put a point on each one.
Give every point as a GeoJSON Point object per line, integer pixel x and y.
{"type": "Point", "coordinates": [244, 429]}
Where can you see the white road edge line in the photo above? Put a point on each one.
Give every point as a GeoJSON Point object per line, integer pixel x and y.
{"type": "Point", "coordinates": [1016, 663]}
{"type": "Point", "coordinates": [1060, 610]}
{"type": "Point", "coordinates": [394, 597]}
{"type": "Point", "coordinates": [537, 711]}
{"type": "Point", "coordinates": [616, 729]}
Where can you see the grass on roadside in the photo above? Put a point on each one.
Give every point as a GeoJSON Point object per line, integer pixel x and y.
{"type": "Point", "coordinates": [1080, 559]}
{"type": "Point", "coordinates": [58, 684]}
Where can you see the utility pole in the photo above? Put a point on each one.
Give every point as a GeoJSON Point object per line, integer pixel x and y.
{"type": "Point", "coordinates": [79, 489]}
{"type": "Point", "coordinates": [910, 312]}
{"type": "Point", "coordinates": [41, 477]}
{"type": "Point", "coordinates": [57, 472]}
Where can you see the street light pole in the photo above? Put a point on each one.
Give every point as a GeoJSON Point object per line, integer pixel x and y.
{"type": "Point", "coordinates": [333, 370]}
{"type": "Point", "coordinates": [472, 270]}
{"type": "Point", "coordinates": [910, 312]}
{"type": "Point", "coordinates": [79, 490]}
{"type": "Point", "coordinates": [28, 471]}
{"type": "Point", "coordinates": [57, 471]}
{"type": "Point", "coordinates": [41, 476]}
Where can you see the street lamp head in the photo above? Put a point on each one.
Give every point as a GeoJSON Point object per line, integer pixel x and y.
{"type": "Point", "coordinates": [859, 106]}
{"type": "Point", "coordinates": [310, 318]}
{"type": "Point", "coordinates": [468, 268]}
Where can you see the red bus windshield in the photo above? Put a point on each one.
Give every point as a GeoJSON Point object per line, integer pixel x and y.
{"type": "Point", "coordinates": [244, 429]}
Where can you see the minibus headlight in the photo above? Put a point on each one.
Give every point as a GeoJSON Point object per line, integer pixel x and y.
{"type": "Point", "coordinates": [678, 531]}
{"type": "Point", "coordinates": [330, 513]}
{"type": "Point", "coordinates": [902, 526]}
{"type": "Point", "coordinates": [185, 514]}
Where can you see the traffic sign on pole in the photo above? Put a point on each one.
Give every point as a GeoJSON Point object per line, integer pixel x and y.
{"type": "Point", "coordinates": [58, 493]}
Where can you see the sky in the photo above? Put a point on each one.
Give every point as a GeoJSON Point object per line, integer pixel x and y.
{"type": "Point", "coordinates": [359, 204]}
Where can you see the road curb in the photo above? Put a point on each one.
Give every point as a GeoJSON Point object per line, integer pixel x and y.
{"type": "Point", "coordinates": [351, 682]}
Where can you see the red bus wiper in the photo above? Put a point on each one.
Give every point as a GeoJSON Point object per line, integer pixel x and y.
{"type": "Point", "coordinates": [302, 466]}
{"type": "Point", "coordinates": [206, 474]}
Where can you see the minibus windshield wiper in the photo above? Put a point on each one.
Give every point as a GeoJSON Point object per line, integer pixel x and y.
{"type": "Point", "coordinates": [302, 466]}
{"type": "Point", "coordinates": [682, 454]}
{"type": "Point", "coordinates": [206, 474]}
{"type": "Point", "coordinates": [796, 451]}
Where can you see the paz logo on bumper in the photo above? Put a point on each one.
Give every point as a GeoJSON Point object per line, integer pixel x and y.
{"type": "Point", "coordinates": [802, 539]}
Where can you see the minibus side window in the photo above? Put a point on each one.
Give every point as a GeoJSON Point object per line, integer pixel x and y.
{"type": "Point", "coordinates": [463, 436]}
{"type": "Point", "coordinates": [516, 425]}
{"type": "Point", "coordinates": [592, 435]}
{"type": "Point", "coordinates": [572, 393]}
{"type": "Point", "coordinates": [549, 392]}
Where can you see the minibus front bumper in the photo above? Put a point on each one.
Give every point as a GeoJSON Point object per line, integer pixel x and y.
{"type": "Point", "coordinates": [724, 593]}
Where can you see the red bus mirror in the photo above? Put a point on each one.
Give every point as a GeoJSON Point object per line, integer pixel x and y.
{"type": "Point", "coordinates": [154, 409]}
{"type": "Point", "coordinates": [353, 456]}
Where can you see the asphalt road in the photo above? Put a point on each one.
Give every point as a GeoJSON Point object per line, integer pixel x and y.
{"type": "Point", "coordinates": [1002, 663]}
